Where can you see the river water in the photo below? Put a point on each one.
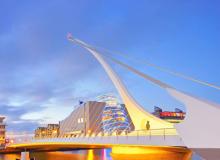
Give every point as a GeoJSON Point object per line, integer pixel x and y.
{"type": "Point", "coordinates": [91, 154]}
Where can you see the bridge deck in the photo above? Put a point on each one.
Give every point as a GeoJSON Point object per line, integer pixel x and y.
{"type": "Point", "coordinates": [102, 142]}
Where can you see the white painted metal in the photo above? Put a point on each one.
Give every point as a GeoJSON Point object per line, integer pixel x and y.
{"type": "Point", "coordinates": [169, 140]}
{"type": "Point", "coordinates": [199, 129]}
{"type": "Point", "coordinates": [138, 115]}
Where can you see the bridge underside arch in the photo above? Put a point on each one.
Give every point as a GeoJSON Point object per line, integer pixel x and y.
{"type": "Point", "coordinates": [117, 149]}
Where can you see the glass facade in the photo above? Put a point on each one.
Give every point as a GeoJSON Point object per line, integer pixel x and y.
{"type": "Point", "coordinates": [115, 117]}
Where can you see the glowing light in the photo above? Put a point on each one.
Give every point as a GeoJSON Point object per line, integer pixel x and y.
{"type": "Point", "coordinates": [54, 131]}
{"type": "Point", "coordinates": [104, 156]}
{"type": "Point", "coordinates": [90, 155]}
{"type": "Point", "coordinates": [11, 141]}
{"type": "Point", "coordinates": [151, 152]}
{"type": "Point", "coordinates": [138, 150]}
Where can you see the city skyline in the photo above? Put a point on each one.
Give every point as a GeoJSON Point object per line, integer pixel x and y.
{"type": "Point", "coordinates": [42, 73]}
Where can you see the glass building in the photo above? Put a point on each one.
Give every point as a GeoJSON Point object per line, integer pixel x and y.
{"type": "Point", "coordinates": [115, 117]}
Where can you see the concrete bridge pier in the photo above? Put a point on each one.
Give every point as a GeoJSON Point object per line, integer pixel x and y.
{"type": "Point", "coordinates": [25, 155]}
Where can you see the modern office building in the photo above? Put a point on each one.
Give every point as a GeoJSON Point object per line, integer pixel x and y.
{"type": "Point", "coordinates": [176, 116]}
{"type": "Point", "coordinates": [50, 131]}
{"type": "Point", "coordinates": [2, 131]}
{"type": "Point", "coordinates": [85, 119]}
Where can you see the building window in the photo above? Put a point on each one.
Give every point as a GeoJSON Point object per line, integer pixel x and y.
{"type": "Point", "coordinates": [80, 120]}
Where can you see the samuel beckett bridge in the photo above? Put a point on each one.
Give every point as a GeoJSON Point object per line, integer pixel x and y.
{"type": "Point", "coordinates": [141, 132]}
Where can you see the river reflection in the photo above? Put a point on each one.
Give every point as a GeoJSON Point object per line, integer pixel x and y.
{"type": "Point", "coordinates": [96, 154]}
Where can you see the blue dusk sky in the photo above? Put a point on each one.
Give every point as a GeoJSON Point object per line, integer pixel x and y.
{"type": "Point", "coordinates": [43, 75]}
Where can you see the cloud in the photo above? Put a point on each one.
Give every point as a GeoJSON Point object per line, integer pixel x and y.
{"type": "Point", "coordinates": [37, 77]}
{"type": "Point", "coordinates": [36, 82]}
{"type": "Point", "coordinates": [41, 72]}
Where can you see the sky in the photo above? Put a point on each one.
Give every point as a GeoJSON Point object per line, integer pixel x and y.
{"type": "Point", "coordinates": [43, 75]}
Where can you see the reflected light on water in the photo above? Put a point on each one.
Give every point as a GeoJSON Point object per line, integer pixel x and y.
{"type": "Point", "coordinates": [90, 154]}
{"type": "Point", "coordinates": [95, 154]}
{"type": "Point", "coordinates": [104, 154]}
{"type": "Point", "coordinates": [9, 157]}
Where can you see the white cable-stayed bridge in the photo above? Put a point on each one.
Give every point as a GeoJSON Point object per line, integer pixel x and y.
{"type": "Point", "coordinates": [198, 132]}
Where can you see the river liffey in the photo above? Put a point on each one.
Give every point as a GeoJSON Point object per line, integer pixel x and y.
{"type": "Point", "coordinates": [91, 154]}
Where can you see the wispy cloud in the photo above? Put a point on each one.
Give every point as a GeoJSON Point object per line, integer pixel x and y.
{"type": "Point", "coordinates": [41, 73]}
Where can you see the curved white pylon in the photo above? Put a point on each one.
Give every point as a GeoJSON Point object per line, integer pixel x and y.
{"type": "Point", "coordinates": [138, 115]}
{"type": "Point", "coordinates": [199, 128]}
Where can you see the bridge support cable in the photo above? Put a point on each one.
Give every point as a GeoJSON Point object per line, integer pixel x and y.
{"type": "Point", "coordinates": [194, 121]}
{"type": "Point", "coordinates": [149, 78]}
{"type": "Point", "coordinates": [197, 109]}
{"type": "Point", "coordinates": [162, 69]}
{"type": "Point", "coordinates": [133, 107]}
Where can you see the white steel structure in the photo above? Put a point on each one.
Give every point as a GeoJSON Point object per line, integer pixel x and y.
{"type": "Point", "coordinates": [198, 130]}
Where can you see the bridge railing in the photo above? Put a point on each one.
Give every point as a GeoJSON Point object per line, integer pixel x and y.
{"type": "Point", "coordinates": [163, 133]}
